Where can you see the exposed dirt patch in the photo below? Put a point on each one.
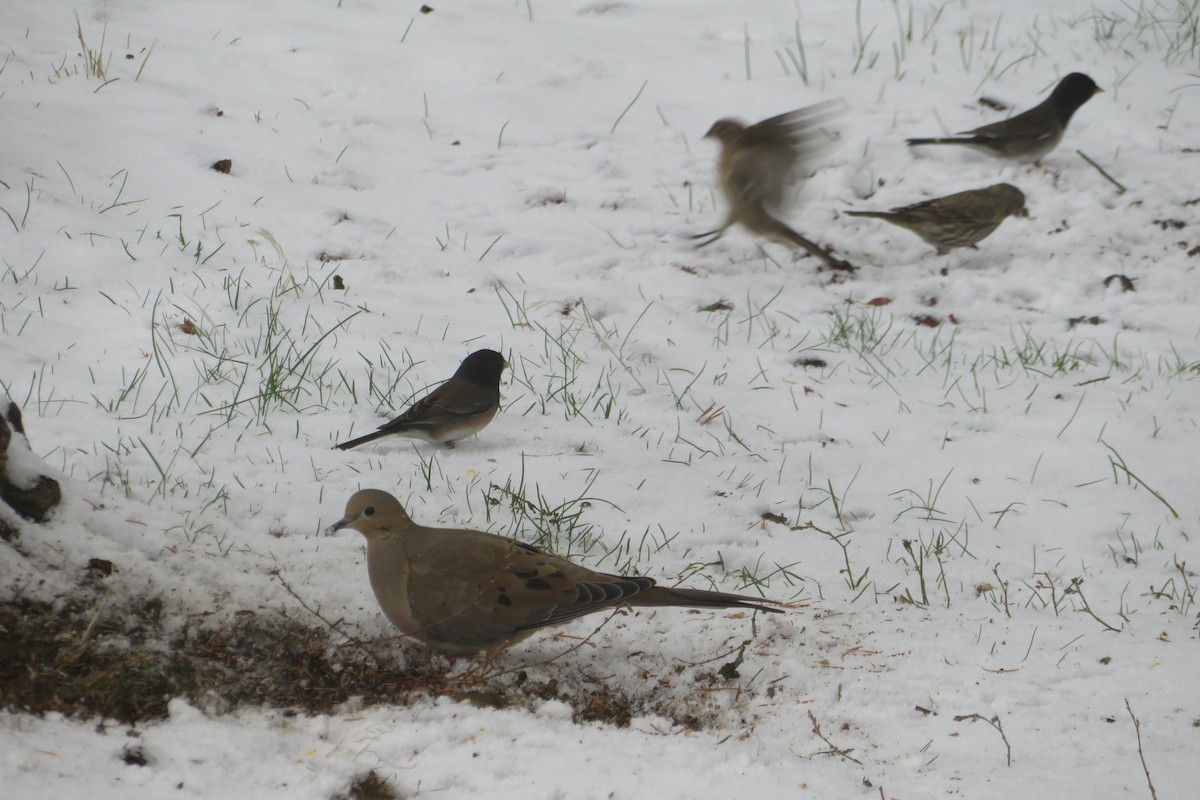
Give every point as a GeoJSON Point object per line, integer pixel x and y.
{"type": "Point", "coordinates": [84, 657]}
{"type": "Point", "coordinates": [123, 665]}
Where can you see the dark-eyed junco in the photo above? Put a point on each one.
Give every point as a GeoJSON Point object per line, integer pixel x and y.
{"type": "Point", "coordinates": [756, 164]}
{"type": "Point", "coordinates": [461, 406]}
{"type": "Point", "coordinates": [962, 219]}
{"type": "Point", "coordinates": [462, 591]}
{"type": "Point", "coordinates": [1032, 134]}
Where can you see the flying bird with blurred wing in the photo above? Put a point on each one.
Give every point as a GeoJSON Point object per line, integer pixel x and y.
{"type": "Point", "coordinates": [756, 164]}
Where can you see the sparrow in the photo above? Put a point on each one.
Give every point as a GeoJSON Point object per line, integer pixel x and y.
{"type": "Point", "coordinates": [755, 165]}
{"type": "Point", "coordinates": [460, 407]}
{"type": "Point", "coordinates": [1032, 134]}
{"type": "Point", "coordinates": [962, 219]}
{"type": "Point", "coordinates": [465, 591]}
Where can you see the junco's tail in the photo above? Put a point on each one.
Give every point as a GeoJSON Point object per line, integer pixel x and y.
{"type": "Point", "coordinates": [370, 437]}
{"type": "Point", "coordinates": [951, 140]}
{"type": "Point", "coordinates": [875, 214]}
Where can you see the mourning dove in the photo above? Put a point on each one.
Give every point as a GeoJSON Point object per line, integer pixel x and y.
{"type": "Point", "coordinates": [463, 591]}
{"type": "Point", "coordinates": [962, 219]}
{"type": "Point", "coordinates": [1032, 134]}
{"type": "Point", "coordinates": [460, 407]}
{"type": "Point", "coordinates": [755, 166]}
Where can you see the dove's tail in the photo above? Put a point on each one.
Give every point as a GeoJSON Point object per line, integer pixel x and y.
{"type": "Point", "coordinates": [699, 598]}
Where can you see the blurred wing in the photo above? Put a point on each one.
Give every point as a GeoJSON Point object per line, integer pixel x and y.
{"type": "Point", "coordinates": [759, 175]}
{"type": "Point", "coordinates": [796, 128]}
{"type": "Point", "coordinates": [774, 151]}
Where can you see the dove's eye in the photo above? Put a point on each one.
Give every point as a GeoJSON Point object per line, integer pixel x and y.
{"type": "Point", "coordinates": [369, 511]}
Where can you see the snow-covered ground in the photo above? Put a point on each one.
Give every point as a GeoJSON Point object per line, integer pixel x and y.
{"type": "Point", "coordinates": [978, 470]}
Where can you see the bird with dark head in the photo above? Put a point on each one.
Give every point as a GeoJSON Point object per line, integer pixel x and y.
{"type": "Point", "coordinates": [1030, 135]}
{"type": "Point", "coordinates": [460, 407]}
{"type": "Point", "coordinates": [756, 165]}
{"type": "Point", "coordinates": [462, 591]}
{"type": "Point", "coordinates": [962, 219]}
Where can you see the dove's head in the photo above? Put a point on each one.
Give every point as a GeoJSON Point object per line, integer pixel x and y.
{"type": "Point", "coordinates": [372, 512]}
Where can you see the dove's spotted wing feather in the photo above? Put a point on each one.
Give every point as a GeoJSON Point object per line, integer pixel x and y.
{"type": "Point", "coordinates": [473, 590]}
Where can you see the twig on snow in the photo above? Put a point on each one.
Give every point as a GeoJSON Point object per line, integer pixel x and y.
{"type": "Point", "coordinates": [1137, 728]}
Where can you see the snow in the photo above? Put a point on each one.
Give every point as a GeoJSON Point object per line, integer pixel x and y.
{"type": "Point", "coordinates": [522, 176]}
